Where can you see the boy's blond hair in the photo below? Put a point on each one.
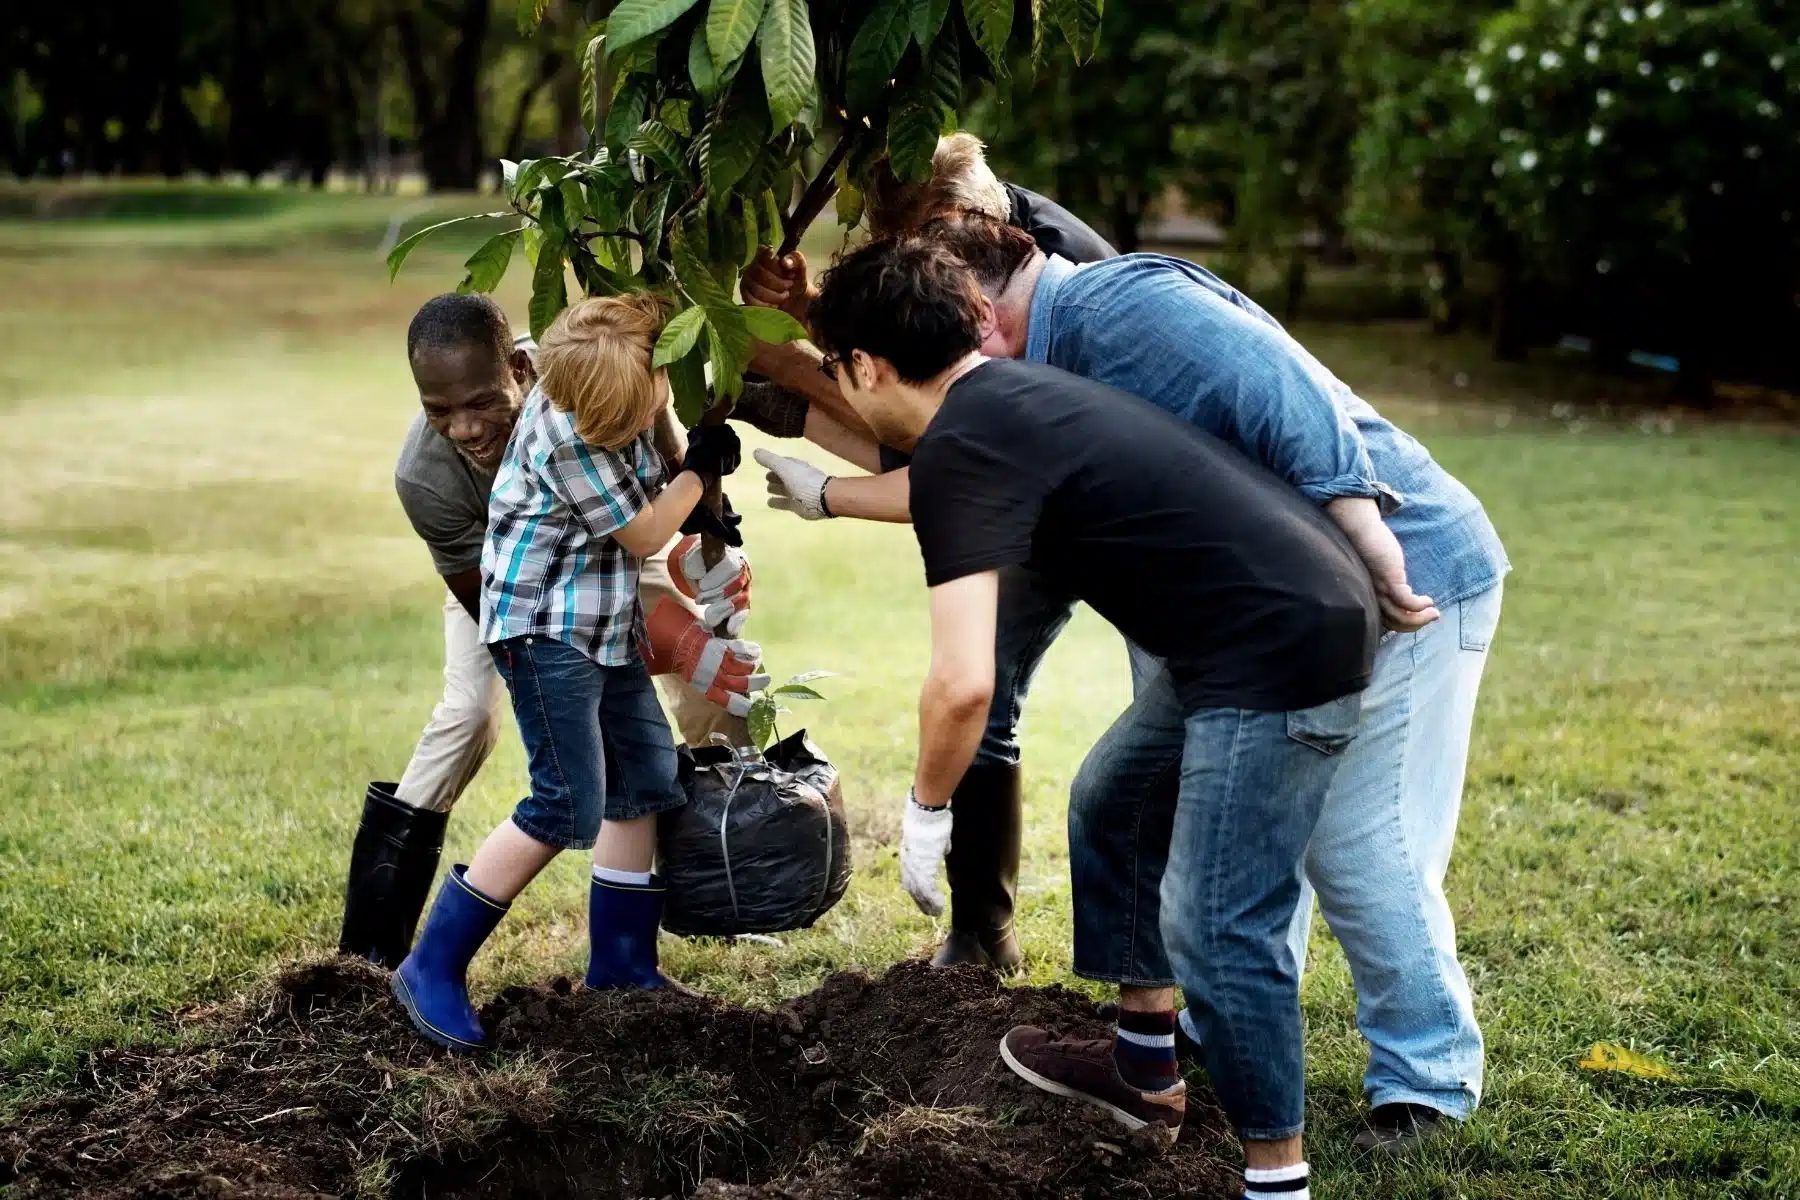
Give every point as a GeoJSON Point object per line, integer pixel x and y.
{"type": "Point", "coordinates": [594, 363]}
{"type": "Point", "coordinates": [961, 182]}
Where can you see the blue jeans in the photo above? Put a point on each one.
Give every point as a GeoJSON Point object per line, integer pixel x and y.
{"type": "Point", "coordinates": [1186, 832]}
{"type": "Point", "coordinates": [1030, 614]}
{"type": "Point", "coordinates": [1377, 857]}
{"type": "Point", "coordinates": [596, 741]}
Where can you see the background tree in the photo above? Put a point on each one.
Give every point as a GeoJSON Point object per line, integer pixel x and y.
{"type": "Point", "coordinates": [1099, 135]}
{"type": "Point", "coordinates": [1630, 171]}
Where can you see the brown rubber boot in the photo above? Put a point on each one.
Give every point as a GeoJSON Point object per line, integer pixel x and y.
{"type": "Point", "coordinates": [983, 866]}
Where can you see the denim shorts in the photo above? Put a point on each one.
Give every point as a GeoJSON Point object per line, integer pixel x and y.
{"type": "Point", "coordinates": [596, 741]}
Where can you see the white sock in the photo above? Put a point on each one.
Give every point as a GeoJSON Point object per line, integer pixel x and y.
{"type": "Point", "coordinates": [1276, 1183]}
{"type": "Point", "coordinates": [628, 878]}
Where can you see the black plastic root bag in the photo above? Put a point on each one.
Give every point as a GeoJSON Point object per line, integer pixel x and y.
{"type": "Point", "coordinates": [761, 845]}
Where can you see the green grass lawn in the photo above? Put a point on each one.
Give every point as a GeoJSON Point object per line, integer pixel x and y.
{"type": "Point", "coordinates": [215, 626]}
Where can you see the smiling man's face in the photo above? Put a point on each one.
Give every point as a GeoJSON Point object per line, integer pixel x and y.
{"type": "Point", "coordinates": [471, 397]}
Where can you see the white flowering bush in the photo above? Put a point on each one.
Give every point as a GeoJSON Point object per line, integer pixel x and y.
{"type": "Point", "coordinates": [1652, 143]}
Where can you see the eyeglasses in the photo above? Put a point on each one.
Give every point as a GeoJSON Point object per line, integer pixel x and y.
{"type": "Point", "coordinates": [828, 366]}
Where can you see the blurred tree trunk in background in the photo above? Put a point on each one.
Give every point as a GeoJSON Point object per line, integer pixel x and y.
{"type": "Point", "coordinates": [442, 53]}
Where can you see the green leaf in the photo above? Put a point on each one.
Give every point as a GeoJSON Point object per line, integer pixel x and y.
{"type": "Point", "coordinates": [627, 113]}
{"type": "Point", "coordinates": [848, 202]}
{"type": "Point", "coordinates": [785, 43]}
{"type": "Point", "coordinates": [549, 288]}
{"type": "Point", "coordinates": [398, 254]}
{"type": "Point", "coordinates": [1079, 21]}
{"type": "Point", "coordinates": [809, 676]}
{"type": "Point", "coordinates": [655, 213]}
{"type": "Point", "coordinates": [687, 381]}
{"type": "Point", "coordinates": [876, 51]}
{"type": "Point", "coordinates": [575, 201]}
{"type": "Point", "coordinates": [760, 722]}
{"type": "Point", "coordinates": [534, 241]}
{"type": "Point", "coordinates": [770, 228]}
{"type": "Point", "coordinates": [487, 266]}
{"type": "Point", "coordinates": [531, 14]}
{"type": "Point", "coordinates": [635, 20]}
{"type": "Point", "coordinates": [729, 342]}
{"type": "Point", "coordinates": [700, 65]}
{"type": "Point", "coordinates": [990, 23]}
{"type": "Point", "coordinates": [798, 691]}
{"type": "Point", "coordinates": [590, 86]}
{"type": "Point", "coordinates": [771, 326]}
{"type": "Point", "coordinates": [701, 286]}
{"type": "Point", "coordinates": [913, 136]}
{"type": "Point", "coordinates": [728, 148]}
{"type": "Point", "coordinates": [730, 24]}
{"type": "Point", "coordinates": [752, 238]}
{"type": "Point", "coordinates": [926, 17]}
{"type": "Point", "coordinates": [661, 145]}
{"type": "Point", "coordinates": [679, 336]}
{"type": "Point", "coordinates": [941, 76]}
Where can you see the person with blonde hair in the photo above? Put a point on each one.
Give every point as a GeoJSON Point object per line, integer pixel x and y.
{"type": "Point", "coordinates": [582, 495]}
{"type": "Point", "coordinates": [472, 376]}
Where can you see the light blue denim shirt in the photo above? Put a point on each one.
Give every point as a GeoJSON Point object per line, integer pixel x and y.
{"type": "Point", "coordinates": [1188, 342]}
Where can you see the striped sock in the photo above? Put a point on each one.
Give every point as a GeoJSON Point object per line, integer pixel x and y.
{"type": "Point", "coordinates": [1145, 1050]}
{"type": "Point", "coordinates": [623, 878]}
{"type": "Point", "coordinates": [1276, 1183]}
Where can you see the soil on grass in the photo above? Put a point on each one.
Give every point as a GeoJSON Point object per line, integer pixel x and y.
{"type": "Point", "coordinates": [889, 1087]}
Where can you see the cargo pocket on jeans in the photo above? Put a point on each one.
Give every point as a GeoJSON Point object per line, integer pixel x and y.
{"type": "Point", "coordinates": [1328, 728]}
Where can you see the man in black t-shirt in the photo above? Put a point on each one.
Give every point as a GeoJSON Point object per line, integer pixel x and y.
{"type": "Point", "coordinates": [984, 863]}
{"type": "Point", "coordinates": [1259, 608]}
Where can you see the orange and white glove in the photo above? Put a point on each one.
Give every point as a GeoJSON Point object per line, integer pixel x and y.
{"type": "Point", "coordinates": [723, 593]}
{"type": "Point", "coordinates": [723, 670]}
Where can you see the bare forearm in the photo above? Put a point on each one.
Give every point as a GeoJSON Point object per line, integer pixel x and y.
{"type": "Point", "coordinates": [872, 497]}
{"type": "Point", "coordinates": [952, 715]}
{"type": "Point", "coordinates": [466, 587]}
{"type": "Point", "coordinates": [659, 521]}
{"type": "Point", "coordinates": [853, 445]}
{"type": "Point", "coordinates": [795, 365]}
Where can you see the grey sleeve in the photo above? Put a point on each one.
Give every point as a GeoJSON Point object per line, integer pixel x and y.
{"type": "Point", "coordinates": [453, 539]}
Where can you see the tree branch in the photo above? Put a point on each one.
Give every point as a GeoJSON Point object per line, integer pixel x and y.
{"type": "Point", "coordinates": [813, 199]}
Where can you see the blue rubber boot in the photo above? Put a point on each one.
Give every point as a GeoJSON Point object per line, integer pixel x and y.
{"type": "Point", "coordinates": [432, 984]}
{"type": "Point", "coordinates": [622, 924]}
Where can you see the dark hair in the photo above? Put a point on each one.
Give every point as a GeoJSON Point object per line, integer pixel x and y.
{"type": "Point", "coordinates": [992, 249]}
{"type": "Point", "coordinates": [907, 300]}
{"type": "Point", "coordinates": [453, 321]}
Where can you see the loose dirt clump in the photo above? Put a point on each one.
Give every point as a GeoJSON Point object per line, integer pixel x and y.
{"type": "Point", "coordinates": [317, 1086]}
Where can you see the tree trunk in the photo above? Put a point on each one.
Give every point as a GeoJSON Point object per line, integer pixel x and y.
{"type": "Point", "coordinates": [448, 110]}
{"type": "Point", "coordinates": [1295, 285]}
{"type": "Point", "coordinates": [549, 63]}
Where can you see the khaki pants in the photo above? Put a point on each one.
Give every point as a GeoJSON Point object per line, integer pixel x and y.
{"type": "Point", "coordinates": [466, 722]}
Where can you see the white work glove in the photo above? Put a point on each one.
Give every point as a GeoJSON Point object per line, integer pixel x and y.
{"type": "Point", "coordinates": [924, 840]}
{"type": "Point", "coordinates": [795, 485]}
{"type": "Point", "coordinates": [723, 593]}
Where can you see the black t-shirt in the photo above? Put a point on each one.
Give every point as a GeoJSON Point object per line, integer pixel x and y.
{"type": "Point", "coordinates": [1194, 552]}
{"type": "Point", "coordinates": [1057, 230]}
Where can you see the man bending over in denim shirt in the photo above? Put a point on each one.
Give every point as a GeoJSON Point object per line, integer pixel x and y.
{"type": "Point", "coordinates": [1176, 335]}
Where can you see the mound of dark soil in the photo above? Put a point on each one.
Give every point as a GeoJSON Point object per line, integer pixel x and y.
{"type": "Point", "coordinates": [865, 1088]}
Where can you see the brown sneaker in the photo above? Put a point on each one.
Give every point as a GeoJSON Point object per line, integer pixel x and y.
{"type": "Point", "coordinates": [1084, 1070]}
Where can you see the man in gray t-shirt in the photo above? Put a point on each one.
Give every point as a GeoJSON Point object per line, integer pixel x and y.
{"type": "Point", "coordinates": [472, 376]}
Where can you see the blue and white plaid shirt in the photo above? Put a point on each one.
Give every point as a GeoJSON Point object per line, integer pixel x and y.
{"type": "Point", "coordinates": [551, 565]}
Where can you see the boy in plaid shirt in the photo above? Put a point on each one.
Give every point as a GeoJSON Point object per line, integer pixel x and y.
{"type": "Point", "coordinates": [580, 497]}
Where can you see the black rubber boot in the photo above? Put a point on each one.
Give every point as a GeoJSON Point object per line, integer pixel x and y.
{"type": "Point", "coordinates": [392, 867]}
{"type": "Point", "coordinates": [983, 865]}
